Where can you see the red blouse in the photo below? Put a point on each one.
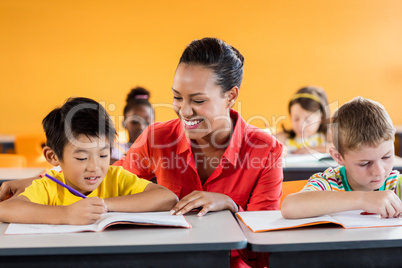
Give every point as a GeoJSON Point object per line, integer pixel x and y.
{"type": "Point", "coordinates": [249, 172]}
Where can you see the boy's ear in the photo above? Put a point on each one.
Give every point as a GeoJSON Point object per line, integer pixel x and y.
{"type": "Point", "coordinates": [50, 156]}
{"type": "Point", "coordinates": [336, 155]}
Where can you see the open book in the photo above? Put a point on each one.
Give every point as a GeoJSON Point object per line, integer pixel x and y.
{"type": "Point", "coordinates": [111, 218]}
{"type": "Point", "coordinates": [262, 221]}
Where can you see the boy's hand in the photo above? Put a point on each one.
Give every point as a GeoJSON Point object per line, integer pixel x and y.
{"type": "Point", "coordinates": [385, 203]}
{"type": "Point", "coordinates": [85, 211]}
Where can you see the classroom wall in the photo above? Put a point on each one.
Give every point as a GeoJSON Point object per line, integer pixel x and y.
{"type": "Point", "coordinates": [51, 50]}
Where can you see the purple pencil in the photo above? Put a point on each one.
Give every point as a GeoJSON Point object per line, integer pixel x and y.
{"type": "Point", "coordinates": [66, 186]}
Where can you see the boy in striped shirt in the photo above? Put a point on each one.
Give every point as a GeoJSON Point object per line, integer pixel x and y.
{"type": "Point", "coordinates": [363, 137]}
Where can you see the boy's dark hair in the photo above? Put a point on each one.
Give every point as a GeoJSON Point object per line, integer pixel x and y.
{"type": "Point", "coordinates": [138, 96]}
{"type": "Point", "coordinates": [78, 116]}
{"type": "Point", "coordinates": [223, 59]}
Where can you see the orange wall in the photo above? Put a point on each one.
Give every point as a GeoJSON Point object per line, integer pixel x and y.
{"type": "Point", "coordinates": [51, 50]}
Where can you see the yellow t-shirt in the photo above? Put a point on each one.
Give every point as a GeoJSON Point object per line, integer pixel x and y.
{"type": "Point", "coordinates": [316, 140]}
{"type": "Point", "coordinates": [117, 182]}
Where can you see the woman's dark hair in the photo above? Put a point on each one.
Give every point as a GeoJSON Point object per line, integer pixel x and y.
{"type": "Point", "coordinates": [78, 116]}
{"type": "Point", "coordinates": [223, 59]}
{"type": "Point", "coordinates": [311, 99]}
{"type": "Point", "coordinates": [138, 96]}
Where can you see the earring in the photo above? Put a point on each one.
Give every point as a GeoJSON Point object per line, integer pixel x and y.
{"type": "Point", "coordinates": [230, 103]}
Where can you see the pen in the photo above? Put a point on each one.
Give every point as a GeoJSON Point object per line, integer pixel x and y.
{"type": "Point", "coordinates": [73, 191]}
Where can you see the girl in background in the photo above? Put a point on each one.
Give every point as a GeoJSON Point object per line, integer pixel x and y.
{"type": "Point", "coordinates": [138, 114]}
{"type": "Point", "coordinates": [308, 110]}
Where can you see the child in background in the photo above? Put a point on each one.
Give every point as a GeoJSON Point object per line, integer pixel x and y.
{"type": "Point", "coordinates": [79, 137]}
{"type": "Point", "coordinates": [363, 137]}
{"type": "Point", "coordinates": [308, 110]}
{"type": "Point", "coordinates": [138, 114]}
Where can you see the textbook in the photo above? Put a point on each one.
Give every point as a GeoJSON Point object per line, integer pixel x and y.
{"type": "Point", "coordinates": [108, 219]}
{"type": "Point", "coordinates": [263, 221]}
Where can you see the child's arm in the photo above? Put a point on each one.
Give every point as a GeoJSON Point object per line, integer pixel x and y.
{"type": "Point", "coordinates": [304, 150]}
{"type": "Point", "coordinates": [21, 210]}
{"type": "Point", "coordinates": [153, 198]}
{"type": "Point", "coordinates": [316, 203]}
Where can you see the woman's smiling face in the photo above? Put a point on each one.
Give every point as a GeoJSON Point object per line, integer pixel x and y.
{"type": "Point", "coordinates": [199, 102]}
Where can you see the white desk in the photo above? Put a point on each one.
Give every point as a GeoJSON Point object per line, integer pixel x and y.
{"type": "Point", "coordinates": [7, 174]}
{"type": "Point", "coordinates": [207, 244]}
{"type": "Point", "coordinates": [303, 170]}
{"type": "Point", "coordinates": [329, 246]}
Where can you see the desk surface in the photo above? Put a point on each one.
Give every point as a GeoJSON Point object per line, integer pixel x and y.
{"type": "Point", "coordinates": [303, 170]}
{"type": "Point", "coordinates": [6, 143]}
{"type": "Point", "coordinates": [324, 237]}
{"type": "Point", "coordinates": [7, 174]}
{"type": "Point", "coordinates": [328, 246]}
{"type": "Point", "coordinates": [4, 138]}
{"type": "Point", "coordinates": [214, 231]}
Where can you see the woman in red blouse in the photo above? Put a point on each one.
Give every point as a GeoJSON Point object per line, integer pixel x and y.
{"type": "Point", "coordinates": [209, 156]}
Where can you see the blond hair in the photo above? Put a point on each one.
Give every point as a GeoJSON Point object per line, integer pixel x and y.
{"type": "Point", "coordinates": [360, 122]}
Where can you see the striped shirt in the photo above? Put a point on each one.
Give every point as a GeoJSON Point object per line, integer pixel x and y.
{"type": "Point", "coordinates": [334, 179]}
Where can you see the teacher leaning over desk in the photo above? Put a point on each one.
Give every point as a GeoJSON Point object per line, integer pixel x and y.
{"type": "Point", "coordinates": [209, 156]}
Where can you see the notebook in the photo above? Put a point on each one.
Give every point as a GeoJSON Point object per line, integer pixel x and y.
{"type": "Point", "coordinates": [108, 219]}
{"type": "Point", "coordinates": [262, 221]}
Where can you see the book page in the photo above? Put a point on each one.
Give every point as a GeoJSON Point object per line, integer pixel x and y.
{"type": "Point", "coordinates": [162, 218]}
{"type": "Point", "coordinates": [353, 219]}
{"type": "Point", "coordinates": [261, 221]}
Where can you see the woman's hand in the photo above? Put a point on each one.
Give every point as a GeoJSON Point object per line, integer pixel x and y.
{"type": "Point", "coordinates": [208, 201]}
{"type": "Point", "coordinates": [9, 189]}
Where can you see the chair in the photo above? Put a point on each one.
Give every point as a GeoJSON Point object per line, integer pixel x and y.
{"type": "Point", "coordinates": [289, 187]}
{"type": "Point", "coordinates": [12, 160]}
{"type": "Point", "coordinates": [30, 146]}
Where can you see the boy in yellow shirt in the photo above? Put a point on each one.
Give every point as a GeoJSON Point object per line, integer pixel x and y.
{"type": "Point", "coordinates": [363, 138]}
{"type": "Point", "coordinates": [79, 137]}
